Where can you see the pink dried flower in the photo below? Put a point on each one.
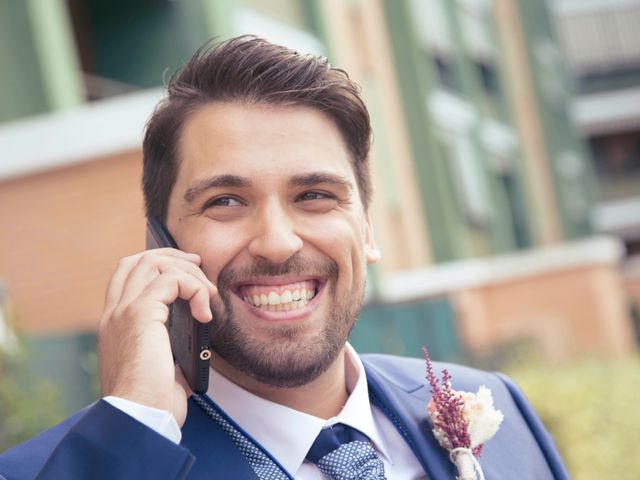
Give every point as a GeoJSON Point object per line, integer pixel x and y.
{"type": "Point", "coordinates": [446, 410]}
{"type": "Point", "coordinates": [461, 420]}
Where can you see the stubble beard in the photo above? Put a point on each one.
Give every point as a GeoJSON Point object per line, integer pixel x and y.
{"type": "Point", "coordinates": [286, 357]}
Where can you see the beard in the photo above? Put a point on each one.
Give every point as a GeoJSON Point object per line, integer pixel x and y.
{"type": "Point", "coordinates": [286, 357]}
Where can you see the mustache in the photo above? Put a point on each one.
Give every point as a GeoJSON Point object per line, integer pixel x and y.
{"type": "Point", "coordinates": [261, 267]}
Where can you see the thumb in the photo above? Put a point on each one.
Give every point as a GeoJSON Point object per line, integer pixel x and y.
{"type": "Point", "coordinates": [181, 393]}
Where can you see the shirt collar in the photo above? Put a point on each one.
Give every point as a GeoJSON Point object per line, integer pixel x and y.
{"type": "Point", "coordinates": [270, 424]}
{"type": "Point", "coordinates": [357, 411]}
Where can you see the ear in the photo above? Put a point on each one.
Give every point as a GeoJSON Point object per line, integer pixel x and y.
{"type": "Point", "coordinates": [371, 251]}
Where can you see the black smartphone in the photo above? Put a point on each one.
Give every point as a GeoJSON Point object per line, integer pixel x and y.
{"type": "Point", "coordinates": [190, 339]}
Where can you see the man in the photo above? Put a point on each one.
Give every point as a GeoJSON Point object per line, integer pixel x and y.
{"type": "Point", "coordinates": [257, 162]}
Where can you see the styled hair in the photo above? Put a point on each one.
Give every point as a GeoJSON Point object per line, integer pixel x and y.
{"type": "Point", "coordinates": [251, 70]}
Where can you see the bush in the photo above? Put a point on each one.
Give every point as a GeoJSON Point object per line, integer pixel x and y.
{"type": "Point", "coordinates": [591, 409]}
{"type": "Point", "coordinates": [28, 404]}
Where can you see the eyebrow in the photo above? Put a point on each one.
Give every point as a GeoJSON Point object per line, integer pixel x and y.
{"type": "Point", "coordinates": [316, 178]}
{"type": "Point", "coordinates": [235, 181]}
{"type": "Point", "coordinates": [218, 181]}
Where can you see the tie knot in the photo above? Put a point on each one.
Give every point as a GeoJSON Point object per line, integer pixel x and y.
{"type": "Point", "coordinates": [344, 453]}
{"type": "Point", "coordinates": [331, 439]}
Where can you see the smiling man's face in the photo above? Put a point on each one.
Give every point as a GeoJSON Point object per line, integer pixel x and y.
{"type": "Point", "coordinates": [267, 196]}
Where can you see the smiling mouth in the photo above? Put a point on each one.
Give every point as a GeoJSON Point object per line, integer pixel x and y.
{"type": "Point", "coordinates": [280, 298]}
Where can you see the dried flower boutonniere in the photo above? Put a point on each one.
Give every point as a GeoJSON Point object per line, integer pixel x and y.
{"type": "Point", "coordinates": [462, 422]}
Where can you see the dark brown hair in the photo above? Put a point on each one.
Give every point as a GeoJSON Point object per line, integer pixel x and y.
{"type": "Point", "coordinates": [251, 70]}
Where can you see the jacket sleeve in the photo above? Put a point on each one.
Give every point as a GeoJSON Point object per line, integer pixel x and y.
{"type": "Point", "coordinates": [106, 443]}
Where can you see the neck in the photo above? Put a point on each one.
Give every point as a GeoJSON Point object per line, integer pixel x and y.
{"type": "Point", "coordinates": [323, 397]}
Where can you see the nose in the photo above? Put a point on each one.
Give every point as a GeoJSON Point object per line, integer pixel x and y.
{"type": "Point", "coordinates": [275, 238]}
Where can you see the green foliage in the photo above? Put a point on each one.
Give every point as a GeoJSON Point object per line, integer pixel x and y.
{"type": "Point", "coordinates": [28, 404]}
{"type": "Point", "coordinates": [591, 409]}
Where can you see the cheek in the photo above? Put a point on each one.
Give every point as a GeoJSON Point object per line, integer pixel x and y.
{"type": "Point", "coordinates": [217, 246]}
{"type": "Point", "coordinates": [341, 240]}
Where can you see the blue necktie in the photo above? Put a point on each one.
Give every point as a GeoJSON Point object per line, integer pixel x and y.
{"type": "Point", "coordinates": [343, 453]}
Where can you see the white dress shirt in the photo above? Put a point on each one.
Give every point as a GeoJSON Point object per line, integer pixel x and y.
{"type": "Point", "coordinates": [287, 433]}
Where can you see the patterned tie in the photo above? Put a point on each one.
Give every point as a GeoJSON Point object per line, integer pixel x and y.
{"type": "Point", "coordinates": [343, 453]}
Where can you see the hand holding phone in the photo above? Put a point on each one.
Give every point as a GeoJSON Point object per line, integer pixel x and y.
{"type": "Point", "coordinates": [134, 349]}
{"type": "Point", "coordinates": [190, 339]}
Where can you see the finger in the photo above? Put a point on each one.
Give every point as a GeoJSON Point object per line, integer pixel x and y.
{"type": "Point", "coordinates": [116, 283]}
{"type": "Point", "coordinates": [126, 265]}
{"type": "Point", "coordinates": [181, 393]}
{"type": "Point", "coordinates": [173, 252]}
{"type": "Point", "coordinates": [176, 283]}
{"type": "Point", "coordinates": [151, 266]}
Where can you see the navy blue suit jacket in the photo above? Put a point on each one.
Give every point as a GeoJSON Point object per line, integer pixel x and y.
{"type": "Point", "coordinates": [101, 442]}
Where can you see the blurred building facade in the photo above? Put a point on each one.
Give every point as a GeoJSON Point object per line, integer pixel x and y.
{"type": "Point", "coordinates": [486, 145]}
{"type": "Point", "coordinates": [601, 45]}
{"type": "Point", "coordinates": [475, 157]}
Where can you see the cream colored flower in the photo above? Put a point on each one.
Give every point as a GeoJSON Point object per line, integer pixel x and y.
{"type": "Point", "coordinates": [484, 420]}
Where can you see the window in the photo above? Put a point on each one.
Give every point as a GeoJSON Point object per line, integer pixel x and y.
{"type": "Point", "coordinates": [126, 45]}
{"type": "Point", "coordinates": [489, 78]}
{"type": "Point", "coordinates": [447, 74]}
{"type": "Point", "coordinates": [617, 164]}
{"type": "Point", "coordinates": [467, 178]}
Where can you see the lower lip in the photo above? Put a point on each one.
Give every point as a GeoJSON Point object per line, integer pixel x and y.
{"type": "Point", "coordinates": [292, 315]}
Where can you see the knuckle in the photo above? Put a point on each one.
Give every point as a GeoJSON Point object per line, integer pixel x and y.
{"type": "Point", "coordinates": [116, 314]}
{"type": "Point", "coordinates": [128, 260]}
{"type": "Point", "coordinates": [196, 272]}
{"type": "Point", "coordinates": [181, 275]}
{"type": "Point", "coordinates": [130, 311]}
{"type": "Point", "coordinates": [173, 270]}
{"type": "Point", "coordinates": [146, 259]}
{"type": "Point", "coordinates": [123, 263]}
{"type": "Point", "coordinates": [104, 319]}
{"type": "Point", "coordinates": [171, 274]}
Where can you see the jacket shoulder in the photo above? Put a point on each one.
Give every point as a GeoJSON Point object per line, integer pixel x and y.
{"type": "Point", "coordinates": [521, 435]}
{"type": "Point", "coordinates": [25, 460]}
{"type": "Point", "coordinates": [406, 371]}
{"type": "Point", "coordinates": [101, 442]}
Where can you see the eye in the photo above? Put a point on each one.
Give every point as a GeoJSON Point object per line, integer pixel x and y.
{"type": "Point", "coordinates": [314, 195]}
{"type": "Point", "coordinates": [315, 201]}
{"type": "Point", "coordinates": [224, 201]}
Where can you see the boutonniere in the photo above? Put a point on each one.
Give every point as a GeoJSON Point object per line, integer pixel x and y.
{"type": "Point", "coordinates": [462, 422]}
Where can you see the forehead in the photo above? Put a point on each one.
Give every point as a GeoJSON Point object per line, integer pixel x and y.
{"type": "Point", "coordinates": [260, 141]}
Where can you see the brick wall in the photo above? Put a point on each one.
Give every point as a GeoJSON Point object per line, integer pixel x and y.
{"type": "Point", "coordinates": [566, 313]}
{"type": "Point", "coordinates": [61, 234]}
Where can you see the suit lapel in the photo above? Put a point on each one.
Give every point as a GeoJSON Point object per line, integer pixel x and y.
{"type": "Point", "coordinates": [406, 407]}
{"type": "Point", "coordinates": [217, 457]}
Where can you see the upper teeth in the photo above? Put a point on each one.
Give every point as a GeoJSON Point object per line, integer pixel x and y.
{"type": "Point", "coordinates": [272, 298]}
